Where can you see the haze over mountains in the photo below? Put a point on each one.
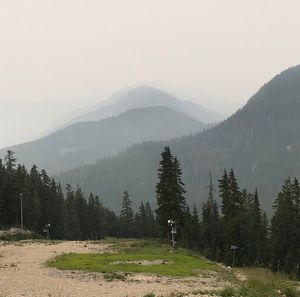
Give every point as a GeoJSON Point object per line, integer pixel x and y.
{"type": "Point", "coordinates": [141, 97]}
{"type": "Point", "coordinates": [127, 117]}
{"type": "Point", "coordinates": [260, 142]}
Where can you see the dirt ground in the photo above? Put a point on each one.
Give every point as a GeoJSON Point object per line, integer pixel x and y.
{"type": "Point", "coordinates": [23, 273]}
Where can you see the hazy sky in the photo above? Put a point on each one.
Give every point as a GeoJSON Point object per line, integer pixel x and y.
{"type": "Point", "coordinates": [59, 55]}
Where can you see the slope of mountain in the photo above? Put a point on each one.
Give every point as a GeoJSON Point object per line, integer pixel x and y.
{"type": "Point", "coordinates": [86, 142]}
{"type": "Point", "coordinates": [260, 142]}
{"type": "Point", "coordinates": [145, 96]}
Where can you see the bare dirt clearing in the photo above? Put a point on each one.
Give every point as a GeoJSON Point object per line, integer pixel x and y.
{"type": "Point", "coordinates": [23, 273]}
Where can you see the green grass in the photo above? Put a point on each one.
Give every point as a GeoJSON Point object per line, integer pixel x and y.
{"type": "Point", "coordinates": [175, 262]}
{"type": "Point", "coordinates": [259, 288]}
{"type": "Point", "coordinates": [262, 283]}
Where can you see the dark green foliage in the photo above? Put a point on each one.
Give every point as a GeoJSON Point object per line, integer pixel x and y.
{"type": "Point", "coordinates": [211, 229]}
{"type": "Point", "coordinates": [70, 216]}
{"type": "Point", "coordinates": [243, 225]}
{"type": "Point", "coordinates": [285, 243]}
{"type": "Point", "coordinates": [145, 224]}
{"type": "Point", "coordinates": [95, 218]}
{"type": "Point", "coordinates": [126, 216]}
{"type": "Point", "coordinates": [171, 203]}
{"type": "Point", "coordinates": [187, 233]}
{"type": "Point", "coordinates": [233, 220]}
{"type": "Point", "coordinates": [257, 229]}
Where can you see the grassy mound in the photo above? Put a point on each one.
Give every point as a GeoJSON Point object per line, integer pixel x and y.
{"type": "Point", "coordinates": [138, 257]}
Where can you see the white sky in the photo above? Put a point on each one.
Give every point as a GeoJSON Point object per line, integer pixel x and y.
{"type": "Point", "coordinates": [59, 55]}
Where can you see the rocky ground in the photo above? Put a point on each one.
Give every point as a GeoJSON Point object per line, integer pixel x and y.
{"type": "Point", "coordinates": [23, 273]}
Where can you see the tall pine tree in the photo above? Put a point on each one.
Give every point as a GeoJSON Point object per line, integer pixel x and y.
{"type": "Point", "coordinates": [170, 192]}
{"type": "Point", "coordinates": [127, 216]}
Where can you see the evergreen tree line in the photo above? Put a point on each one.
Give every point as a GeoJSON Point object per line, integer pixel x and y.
{"type": "Point", "coordinates": [240, 234]}
{"type": "Point", "coordinates": [238, 231]}
{"type": "Point", "coordinates": [70, 214]}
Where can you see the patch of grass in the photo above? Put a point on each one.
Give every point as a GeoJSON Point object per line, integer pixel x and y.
{"type": "Point", "coordinates": [228, 292]}
{"type": "Point", "coordinates": [227, 275]}
{"type": "Point", "coordinates": [260, 288]}
{"type": "Point", "coordinates": [111, 276]}
{"type": "Point", "coordinates": [263, 273]}
{"type": "Point", "coordinates": [279, 281]}
{"type": "Point", "coordinates": [177, 294]}
{"type": "Point", "coordinates": [204, 292]}
{"type": "Point", "coordinates": [176, 262]}
{"type": "Point", "coordinates": [151, 294]}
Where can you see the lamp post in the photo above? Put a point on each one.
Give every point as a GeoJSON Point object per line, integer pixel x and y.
{"type": "Point", "coordinates": [21, 206]}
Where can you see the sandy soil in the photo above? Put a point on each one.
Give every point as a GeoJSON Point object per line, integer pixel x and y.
{"type": "Point", "coordinates": [23, 273]}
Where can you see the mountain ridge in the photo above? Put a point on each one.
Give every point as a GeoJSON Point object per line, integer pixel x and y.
{"type": "Point", "coordinates": [144, 96]}
{"type": "Point", "coordinates": [260, 142]}
{"type": "Point", "coordinates": [86, 142]}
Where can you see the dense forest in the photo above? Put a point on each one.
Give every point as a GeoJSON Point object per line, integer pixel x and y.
{"type": "Point", "coordinates": [237, 232]}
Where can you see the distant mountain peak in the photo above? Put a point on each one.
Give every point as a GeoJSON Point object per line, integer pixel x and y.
{"type": "Point", "coordinates": [144, 96]}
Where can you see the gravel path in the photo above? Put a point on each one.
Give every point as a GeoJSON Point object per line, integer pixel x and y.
{"type": "Point", "coordinates": [23, 273]}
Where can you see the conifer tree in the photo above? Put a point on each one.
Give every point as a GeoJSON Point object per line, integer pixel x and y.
{"type": "Point", "coordinates": [151, 230]}
{"type": "Point", "coordinates": [296, 228]}
{"type": "Point", "coordinates": [11, 193]}
{"type": "Point", "coordinates": [211, 227]}
{"type": "Point", "coordinates": [187, 230]}
{"type": "Point", "coordinates": [195, 228]}
{"type": "Point", "coordinates": [126, 215]}
{"type": "Point", "coordinates": [57, 205]}
{"type": "Point", "coordinates": [72, 222]}
{"type": "Point", "coordinates": [283, 222]}
{"type": "Point", "coordinates": [256, 234]}
{"type": "Point", "coordinates": [233, 220]}
{"type": "Point", "coordinates": [265, 256]}
{"type": "Point", "coordinates": [170, 192]}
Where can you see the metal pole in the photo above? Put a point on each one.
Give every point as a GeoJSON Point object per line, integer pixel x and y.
{"type": "Point", "coordinates": [172, 234]}
{"type": "Point", "coordinates": [21, 196]}
{"type": "Point", "coordinates": [233, 252]}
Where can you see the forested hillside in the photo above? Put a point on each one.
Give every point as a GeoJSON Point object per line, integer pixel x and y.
{"type": "Point", "coordinates": [86, 142]}
{"type": "Point", "coordinates": [261, 141]}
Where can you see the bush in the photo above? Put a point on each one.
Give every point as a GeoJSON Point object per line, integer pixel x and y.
{"type": "Point", "coordinates": [16, 234]}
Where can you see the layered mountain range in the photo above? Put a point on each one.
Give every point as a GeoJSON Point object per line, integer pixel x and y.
{"type": "Point", "coordinates": [143, 97]}
{"type": "Point", "coordinates": [127, 117]}
{"type": "Point", "coordinates": [261, 142]}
